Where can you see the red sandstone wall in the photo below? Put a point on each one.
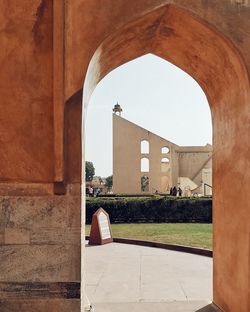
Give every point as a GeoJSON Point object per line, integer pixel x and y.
{"type": "Point", "coordinates": [39, 232]}
{"type": "Point", "coordinates": [26, 108]}
{"type": "Point", "coordinates": [100, 21]}
{"type": "Point", "coordinates": [228, 17]}
{"type": "Point", "coordinates": [213, 46]}
{"type": "Point", "coordinates": [27, 85]}
{"type": "Point", "coordinates": [32, 125]}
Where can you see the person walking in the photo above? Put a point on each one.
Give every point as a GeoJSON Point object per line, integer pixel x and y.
{"type": "Point", "coordinates": [179, 191]}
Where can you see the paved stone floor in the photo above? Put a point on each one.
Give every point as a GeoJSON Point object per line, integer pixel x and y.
{"type": "Point", "coordinates": [122, 277]}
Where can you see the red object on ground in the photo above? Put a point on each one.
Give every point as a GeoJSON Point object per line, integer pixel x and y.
{"type": "Point", "coordinates": [100, 232]}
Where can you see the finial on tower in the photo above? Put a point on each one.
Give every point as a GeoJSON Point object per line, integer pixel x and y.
{"type": "Point", "coordinates": [117, 109]}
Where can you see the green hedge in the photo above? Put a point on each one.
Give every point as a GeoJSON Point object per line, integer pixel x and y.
{"type": "Point", "coordinates": [129, 195]}
{"type": "Point", "coordinates": [158, 209]}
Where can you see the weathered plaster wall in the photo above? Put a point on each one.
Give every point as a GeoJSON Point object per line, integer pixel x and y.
{"type": "Point", "coordinates": [39, 232]}
{"type": "Point", "coordinates": [201, 48]}
{"type": "Point", "coordinates": [26, 91]}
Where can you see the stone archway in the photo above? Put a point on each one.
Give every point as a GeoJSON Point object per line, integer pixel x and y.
{"type": "Point", "coordinates": [48, 48]}
{"type": "Point", "coordinates": [209, 57]}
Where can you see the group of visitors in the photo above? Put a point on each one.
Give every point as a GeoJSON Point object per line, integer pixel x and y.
{"type": "Point", "coordinates": [92, 192]}
{"type": "Point", "coordinates": [175, 191]}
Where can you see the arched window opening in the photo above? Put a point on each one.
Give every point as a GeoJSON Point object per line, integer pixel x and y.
{"type": "Point", "coordinates": [160, 174]}
{"type": "Point", "coordinates": [145, 184]}
{"type": "Point", "coordinates": [144, 164]}
{"type": "Point", "coordinates": [165, 150]}
{"type": "Point", "coordinates": [165, 165]}
{"type": "Point", "coordinates": [144, 147]}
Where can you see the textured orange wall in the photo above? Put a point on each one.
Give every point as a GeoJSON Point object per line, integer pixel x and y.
{"type": "Point", "coordinates": [26, 108]}
{"type": "Point", "coordinates": [40, 251]}
{"type": "Point", "coordinates": [210, 47]}
{"type": "Point", "coordinates": [40, 137]}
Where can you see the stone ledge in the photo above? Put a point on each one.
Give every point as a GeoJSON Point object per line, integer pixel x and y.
{"type": "Point", "coordinates": [192, 250]}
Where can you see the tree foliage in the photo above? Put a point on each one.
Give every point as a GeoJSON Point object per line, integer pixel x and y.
{"type": "Point", "coordinates": [89, 171]}
{"type": "Point", "coordinates": [109, 181]}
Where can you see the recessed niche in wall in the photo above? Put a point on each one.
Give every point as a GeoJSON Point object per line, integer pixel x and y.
{"type": "Point", "coordinates": [144, 164]}
{"type": "Point", "coordinates": [164, 150]}
{"type": "Point", "coordinates": [144, 184]}
{"type": "Point", "coordinates": [165, 165]}
{"type": "Point", "coordinates": [144, 147]}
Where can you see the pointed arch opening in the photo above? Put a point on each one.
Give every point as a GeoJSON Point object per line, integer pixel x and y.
{"type": "Point", "coordinates": [213, 61]}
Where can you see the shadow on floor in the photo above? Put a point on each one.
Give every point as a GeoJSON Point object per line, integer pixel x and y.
{"type": "Point", "coordinates": [209, 308]}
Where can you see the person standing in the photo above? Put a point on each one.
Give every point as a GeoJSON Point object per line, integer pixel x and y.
{"type": "Point", "coordinates": [179, 191]}
{"type": "Point", "coordinates": [91, 191]}
{"type": "Point", "coordinates": [174, 191]}
{"type": "Point", "coordinates": [171, 191]}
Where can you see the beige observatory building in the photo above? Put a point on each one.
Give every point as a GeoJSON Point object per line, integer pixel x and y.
{"type": "Point", "coordinates": [144, 162]}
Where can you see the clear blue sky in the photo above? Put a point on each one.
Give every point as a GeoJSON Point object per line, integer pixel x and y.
{"type": "Point", "coordinates": [154, 94]}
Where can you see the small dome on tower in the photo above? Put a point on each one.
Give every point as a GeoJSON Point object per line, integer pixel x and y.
{"type": "Point", "coordinates": [117, 109]}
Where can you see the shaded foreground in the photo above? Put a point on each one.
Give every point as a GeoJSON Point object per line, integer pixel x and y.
{"type": "Point", "coordinates": [187, 234]}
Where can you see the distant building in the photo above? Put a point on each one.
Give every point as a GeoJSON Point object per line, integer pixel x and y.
{"type": "Point", "coordinates": [144, 162]}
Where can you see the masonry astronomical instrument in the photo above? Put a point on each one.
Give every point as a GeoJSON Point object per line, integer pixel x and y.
{"type": "Point", "coordinates": [100, 232]}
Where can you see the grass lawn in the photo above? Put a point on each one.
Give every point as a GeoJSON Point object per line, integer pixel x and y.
{"type": "Point", "coordinates": [188, 234]}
